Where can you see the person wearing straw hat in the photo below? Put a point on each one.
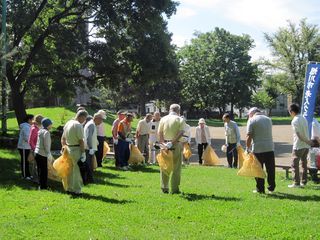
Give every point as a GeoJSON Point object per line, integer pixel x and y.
{"type": "Point", "coordinates": [232, 140]}
{"type": "Point", "coordinates": [202, 137]}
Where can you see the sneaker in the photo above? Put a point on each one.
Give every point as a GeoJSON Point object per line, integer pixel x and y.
{"type": "Point", "coordinates": [294, 186]}
{"type": "Point", "coordinates": [270, 192]}
{"type": "Point", "coordinates": [256, 191]}
{"type": "Point", "coordinates": [28, 178]}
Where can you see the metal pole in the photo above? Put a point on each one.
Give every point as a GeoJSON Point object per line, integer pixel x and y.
{"type": "Point", "coordinates": [3, 67]}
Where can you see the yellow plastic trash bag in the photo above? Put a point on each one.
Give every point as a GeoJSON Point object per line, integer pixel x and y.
{"type": "Point", "coordinates": [187, 151]}
{"type": "Point", "coordinates": [251, 167]}
{"type": "Point", "coordinates": [135, 155]}
{"type": "Point", "coordinates": [106, 149]}
{"type": "Point", "coordinates": [241, 156]}
{"type": "Point", "coordinates": [63, 164]}
{"type": "Point", "coordinates": [209, 157]}
{"type": "Point", "coordinates": [52, 173]}
{"type": "Point", "coordinates": [165, 161]}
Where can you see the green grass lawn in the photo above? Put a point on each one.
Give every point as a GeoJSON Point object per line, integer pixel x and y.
{"type": "Point", "coordinates": [59, 116]}
{"type": "Point", "coordinates": [215, 204]}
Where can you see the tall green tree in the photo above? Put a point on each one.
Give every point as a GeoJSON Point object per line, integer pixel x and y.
{"type": "Point", "coordinates": [293, 47]}
{"type": "Point", "coordinates": [142, 51]}
{"type": "Point", "coordinates": [216, 69]}
{"type": "Point", "coordinates": [39, 32]}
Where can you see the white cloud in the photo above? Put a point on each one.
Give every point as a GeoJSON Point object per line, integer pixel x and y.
{"type": "Point", "coordinates": [268, 15]}
{"type": "Point", "coordinates": [180, 40]}
{"type": "Point", "coordinates": [201, 3]}
{"type": "Point", "coordinates": [185, 12]}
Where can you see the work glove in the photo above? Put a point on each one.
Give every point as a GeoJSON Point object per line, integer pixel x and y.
{"type": "Point", "coordinates": [169, 145]}
{"type": "Point", "coordinates": [50, 158]}
{"type": "Point", "coordinates": [248, 150]}
{"type": "Point", "coordinates": [91, 151]}
{"type": "Point", "coordinates": [238, 144]}
{"type": "Point", "coordinates": [115, 141]}
{"type": "Point", "coordinates": [128, 140]}
{"type": "Point", "coordinates": [83, 157]}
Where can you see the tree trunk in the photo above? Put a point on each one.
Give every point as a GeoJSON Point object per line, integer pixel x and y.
{"type": "Point", "coordinates": [18, 104]}
{"type": "Point", "coordinates": [142, 105]}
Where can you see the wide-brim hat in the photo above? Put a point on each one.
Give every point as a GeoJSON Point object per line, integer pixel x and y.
{"type": "Point", "coordinates": [201, 120]}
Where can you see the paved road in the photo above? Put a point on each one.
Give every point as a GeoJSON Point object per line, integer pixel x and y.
{"type": "Point", "coordinates": [282, 137]}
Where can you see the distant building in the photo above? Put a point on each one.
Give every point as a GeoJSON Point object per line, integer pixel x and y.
{"type": "Point", "coordinates": [151, 107]}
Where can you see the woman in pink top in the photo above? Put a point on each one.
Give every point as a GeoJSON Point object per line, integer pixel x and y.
{"type": "Point", "coordinates": [33, 137]}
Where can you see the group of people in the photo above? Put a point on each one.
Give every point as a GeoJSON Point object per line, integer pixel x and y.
{"type": "Point", "coordinates": [34, 146]}
{"type": "Point", "coordinates": [259, 141]}
{"type": "Point", "coordinates": [83, 138]}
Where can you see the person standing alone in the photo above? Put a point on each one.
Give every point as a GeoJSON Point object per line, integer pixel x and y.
{"type": "Point", "coordinates": [202, 137]}
{"type": "Point", "coordinates": [300, 148]}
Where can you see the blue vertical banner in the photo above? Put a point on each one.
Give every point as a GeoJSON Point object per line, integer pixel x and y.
{"type": "Point", "coordinates": [310, 92]}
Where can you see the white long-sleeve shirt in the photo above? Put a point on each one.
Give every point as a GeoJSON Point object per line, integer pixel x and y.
{"type": "Point", "coordinates": [207, 135]}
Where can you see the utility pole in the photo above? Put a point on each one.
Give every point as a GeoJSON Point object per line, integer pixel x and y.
{"type": "Point", "coordinates": [3, 68]}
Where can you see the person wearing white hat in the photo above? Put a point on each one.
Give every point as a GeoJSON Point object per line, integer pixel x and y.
{"type": "Point", "coordinates": [101, 138]}
{"type": "Point", "coordinates": [91, 146]}
{"type": "Point", "coordinates": [202, 137]}
{"type": "Point", "coordinates": [142, 136]}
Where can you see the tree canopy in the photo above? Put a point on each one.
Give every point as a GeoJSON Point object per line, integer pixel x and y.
{"type": "Point", "coordinates": [293, 47]}
{"type": "Point", "coordinates": [53, 45]}
{"type": "Point", "coordinates": [216, 70]}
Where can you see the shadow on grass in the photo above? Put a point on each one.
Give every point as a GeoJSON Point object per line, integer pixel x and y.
{"type": "Point", "coordinates": [137, 168]}
{"type": "Point", "coordinates": [288, 196]}
{"type": "Point", "coordinates": [197, 197]}
{"type": "Point", "coordinates": [10, 178]}
{"type": "Point", "coordinates": [101, 198]}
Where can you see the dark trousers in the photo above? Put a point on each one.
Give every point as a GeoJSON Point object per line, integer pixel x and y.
{"type": "Point", "coordinates": [99, 152]}
{"type": "Point", "coordinates": [201, 148]}
{"type": "Point", "coordinates": [24, 153]}
{"type": "Point", "coordinates": [88, 170]}
{"type": "Point", "coordinates": [42, 166]}
{"type": "Point", "coordinates": [232, 155]}
{"type": "Point", "coordinates": [314, 174]}
{"type": "Point", "coordinates": [116, 154]}
{"type": "Point", "coordinates": [267, 159]}
{"type": "Point", "coordinates": [124, 153]}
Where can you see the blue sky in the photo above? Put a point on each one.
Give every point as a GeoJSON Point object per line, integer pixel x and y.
{"type": "Point", "coordinates": [253, 17]}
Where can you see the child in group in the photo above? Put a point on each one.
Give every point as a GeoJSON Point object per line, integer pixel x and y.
{"type": "Point", "coordinates": [43, 152]}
